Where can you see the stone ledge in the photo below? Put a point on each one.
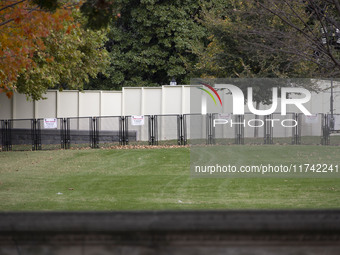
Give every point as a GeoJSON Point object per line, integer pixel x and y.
{"type": "Point", "coordinates": [172, 232]}
{"type": "Point", "coordinates": [299, 220]}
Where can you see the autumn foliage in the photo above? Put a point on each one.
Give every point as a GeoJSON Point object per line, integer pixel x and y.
{"type": "Point", "coordinates": [23, 27]}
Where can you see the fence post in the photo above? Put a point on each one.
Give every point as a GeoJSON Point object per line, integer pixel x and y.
{"type": "Point", "coordinates": [296, 131]}
{"type": "Point", "coordinates": [126, 135]}
{"type": "Point", "coordinates": [123, 130]}
{"type": "Point", "coordinates": [268, 129]}
{"type": "Point", "coordinates": [239, 129]}
{"type": "Point", "coordinates": [97, 131]}
{"type": "Point", "coordinates": [207, 124]}
{"type": "Point", "coordinates": [62, 133]}
{"type": "Point", "coordinates": [179, 126]}
{"type": "Point", "coordinates": [325, 140]}
{"type": "Point", "coordinates": [210, 129]}
{"type": "Point", "coordinates": [156, 129]}
{"type": "Point", "coordinates": [9, 127]}
{"type": "Point", "coordinates": [120, 131]}
{"type": "Point", "coordinates": [6, 135]}
{"type": "Point", "coordinates": [65, 133]}
{"type": "Point", "coordinates": [185, 140]}
{"type": "Point", "coordinates": [152, 130]}
{"type": "Point", "coordinates": [299, 124]}
{"type": "Point", "coordinates": [180, 130]}
{"type": "Point", "coordinates": [93, 132]}
{"type": "Point", "coordinates": [35, 134]}
{"type": "Point", "coordinates": [38, 134]}
{"type": "Point", "coordinates": [68, 134]}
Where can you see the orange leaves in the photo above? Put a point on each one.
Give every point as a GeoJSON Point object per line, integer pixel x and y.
{"type": "Point", "coordinates": [40, 44]}
{"type": "Point", "coordinates": [17, 20]}
{"type": "Point", "coordinates": [23, 28]}
{"type": "Point", "coordinates": [59, 27]}
{"type": "Point", "coordinates": [50, 59]}
{"type": "Point", "coordinates": [68, 29]}
{"type": "Point", "coordinates": [9, 94]}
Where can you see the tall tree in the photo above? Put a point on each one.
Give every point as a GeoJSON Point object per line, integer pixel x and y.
{"type": "Point", "coordinates": [69, 58]}
{"type": "Point", "coordinates": [151, 42]}
{"type": "Point", "coordinates": [44, 45]}
{"type": "Point", "coordinates": [286, 38]}
{"type": "Point", "coordinates": [23, 25]}
{"type": "Point", "coordinates": [315, 22]}
{"type": "Point", "coordinates": [242, 43]}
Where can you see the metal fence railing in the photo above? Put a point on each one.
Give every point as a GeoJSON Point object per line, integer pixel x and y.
{"type": "Point", "coordinates": [47, 139]}
{"type": "Point", "coordinates": [21, 135]}
{"type": "Point", "coordinates": [180, 129]}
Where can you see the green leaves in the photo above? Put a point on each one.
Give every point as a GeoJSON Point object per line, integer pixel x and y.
{"type": "Point", "coordinates": [70, 57]}
{"type": "Point", "coordinates": [152, 42]}
{"type": "Point", "coordinates": [99, 13]}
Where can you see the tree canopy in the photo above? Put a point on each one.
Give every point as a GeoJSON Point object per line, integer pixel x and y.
{"type": "Point", "coordinates": [43, 44]}
{"type": "Point", "coordinates": [274, 38]}
{"type": "Point", "coordinates": [152, 41]}
{"type": "Point", "coordinates": [60, 44]}
{"type": "Point", "coordinates": [69, 58]}
{"type": "Point", "coordinates": [243, 37]}
{"type": "Point", "coordinates": [314, 30]}
{"type": "Point", "coordinates": [23, 25]}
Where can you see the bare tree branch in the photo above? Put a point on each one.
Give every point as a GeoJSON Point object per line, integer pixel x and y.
{"type": "Point", "coordinates": [5, 22]}
{"type": "Point", "coordinates": [12, 5]}
{"type": "Point", "coordinates": [324, 48]}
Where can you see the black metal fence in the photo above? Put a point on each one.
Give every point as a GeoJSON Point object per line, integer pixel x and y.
{"type": "Point", "coordinates": [182, 129]}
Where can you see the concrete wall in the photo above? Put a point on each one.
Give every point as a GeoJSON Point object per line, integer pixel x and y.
{"type": "Point", "coordinates": [165, 232]}
{"type": "Point", "coordinates": [129, 101]}
{"type": "Point", "coordinates": [135, 101]}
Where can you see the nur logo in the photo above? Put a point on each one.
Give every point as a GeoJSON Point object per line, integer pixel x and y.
{"type": "Point", "coordinates": [239, 99]}
{"type": "Point", "coordinates": [209, 93]}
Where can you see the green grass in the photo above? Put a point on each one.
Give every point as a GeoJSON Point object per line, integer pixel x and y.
{"type": "Point", "coordinates": [148, 179]}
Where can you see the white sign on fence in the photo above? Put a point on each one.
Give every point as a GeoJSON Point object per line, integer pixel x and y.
{"type": "Point", "coordinates": [137, 120]}
{"type": "Point", "coordinates": [225, 116]}
{"type": "Point", "coordinates": [336, 122]}
{"type": "Point", "coordinates": [50, 123]}
{"type": "Point", "coordinates": [312, 119]}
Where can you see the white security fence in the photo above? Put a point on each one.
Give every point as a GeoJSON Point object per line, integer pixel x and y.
{"type": "Point", "coordinates": [129, 101]}
{"type": "Point", "coordinates": [134, 101]}
{"type": "Point", "coordinates": [104, 117]}
{"type": "Point", "coordinates": [181, 129]}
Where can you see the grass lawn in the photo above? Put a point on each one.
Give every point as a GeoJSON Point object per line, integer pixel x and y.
{"type": "Point", "coordinates": [148, 179]}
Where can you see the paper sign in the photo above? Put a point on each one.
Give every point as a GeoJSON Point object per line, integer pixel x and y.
{"type": "Point", "coordinates": [312, 119]}
{"type": "Point", "coordinates": [137, 120]}
{"type": "Point", "coordinates": [51, 123]}
{"type": "Point", "coordinates": [336, 122]}
{"type": "Point", "coordinates": [225, 116]}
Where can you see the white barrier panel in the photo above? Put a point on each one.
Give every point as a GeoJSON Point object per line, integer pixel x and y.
{"type": "Point", "coordinates": [131, 101]}
{"type": "Point", "coordinates": [70, 103]}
